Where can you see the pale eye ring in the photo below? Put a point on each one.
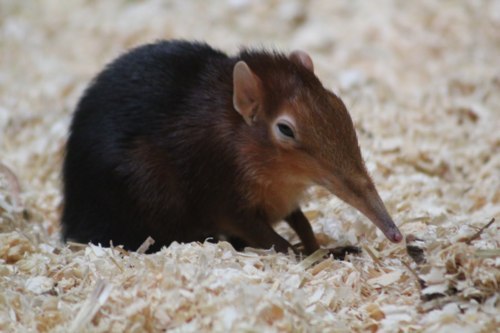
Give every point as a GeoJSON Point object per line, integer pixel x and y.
{"type": "Point", "coordinates": [285, 130]}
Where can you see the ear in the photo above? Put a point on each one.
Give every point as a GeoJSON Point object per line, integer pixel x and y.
{"type": "Point", "coordinates": [302, 58]}
{"type": "Point", "coordinates": [246, 92]}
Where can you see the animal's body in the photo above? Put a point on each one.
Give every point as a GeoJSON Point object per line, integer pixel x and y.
{"type": "Point", "coordinates": [180, 142]}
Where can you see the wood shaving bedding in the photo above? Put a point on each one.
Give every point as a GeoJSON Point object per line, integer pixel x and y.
{"type": "Point", "coordinates": [422, 82]}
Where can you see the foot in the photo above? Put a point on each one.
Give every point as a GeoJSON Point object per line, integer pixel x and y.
{"type": "Point", "coordinates": [341, 251]}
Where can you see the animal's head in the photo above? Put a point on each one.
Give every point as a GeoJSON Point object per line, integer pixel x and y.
{"type": "Point", "coordinates": [307, 129]}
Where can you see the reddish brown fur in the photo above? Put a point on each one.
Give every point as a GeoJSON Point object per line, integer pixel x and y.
{"type": "Point", "coordinates": [326, 153]}
{"type": "Point", "coordinates": [194, 144]}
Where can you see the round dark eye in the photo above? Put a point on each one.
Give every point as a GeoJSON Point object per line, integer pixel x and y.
{"type": "Point", "coordinates": [286, 130]}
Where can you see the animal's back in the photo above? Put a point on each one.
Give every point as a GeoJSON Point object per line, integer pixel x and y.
{"type": "Point", "coordinates": [119, 168]}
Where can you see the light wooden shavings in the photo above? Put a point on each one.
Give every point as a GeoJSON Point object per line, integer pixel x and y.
{"type": "Point", "coordinates": [469, 239]}
{"type": "Point", "coordinates": [494, 253]}
{"type": "Point", "coordinates": [14, 186]}
{"type": "Point", "coordinates": [145, 245]}
{"type": "Point", "coordinates": [385, 279]}
{"type": "Point", "coordinates": [312, 259]}
{"type": "Point", "coordinates": [425, 105]}
{"type": "Point", "coordinates": [13, 247]}
{"type": "Point", "coordinates": [90, 307]}
{"type": "Point", "coordinates": [372, 253]}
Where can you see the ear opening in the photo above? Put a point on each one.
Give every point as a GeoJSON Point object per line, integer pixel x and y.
{"type": "Point", "coordinates": [247, 95]}
{"type": "Point", "coordinates": [302, 58]}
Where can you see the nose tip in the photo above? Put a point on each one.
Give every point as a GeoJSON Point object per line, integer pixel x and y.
{"type": "Point", "coordinates": [396, 236]}
{"type": "Point", "coordinates": [390, 230]}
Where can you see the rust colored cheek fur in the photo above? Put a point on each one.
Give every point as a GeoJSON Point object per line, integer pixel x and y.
{"type": "Point", "coordinates": [277, 185]}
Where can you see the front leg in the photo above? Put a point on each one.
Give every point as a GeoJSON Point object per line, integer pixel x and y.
{"type": "Point", "coordinates": [299, 223]}
{"type": "Point", "coordinates": [259, 234]}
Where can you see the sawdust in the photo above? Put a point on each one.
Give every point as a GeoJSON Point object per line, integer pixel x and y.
{"type": "Point", "coordinates": [422, 81]}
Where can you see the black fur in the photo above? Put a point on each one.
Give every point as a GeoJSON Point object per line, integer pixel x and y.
{"type": "Point", "coordinates": [157, 102]}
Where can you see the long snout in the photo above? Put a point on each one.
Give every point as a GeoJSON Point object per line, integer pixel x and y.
{"type": "Point", "coordinates": [373, 208]}
{"type": "Point", "coordinates": [363, 196]}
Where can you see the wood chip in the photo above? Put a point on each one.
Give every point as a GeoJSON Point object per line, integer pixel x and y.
{"type": "Point", "coordinates": [426, 108]}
